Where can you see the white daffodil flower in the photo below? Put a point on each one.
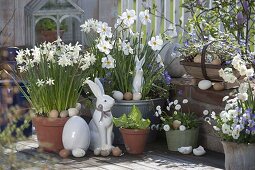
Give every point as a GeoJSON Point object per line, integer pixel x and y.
{"type": "Point", "coordinates": [108, 62]}
{"type": "Point", "coordinates": [104, 46]}
{"type": "Point", "coordinates": [128, 17]}
{"type": "Point", "coordinates": [156, 43]}
{"type": "Point", "coordinates": [40, 83]}
{"type": "Point", "coordinates": [145, 17]}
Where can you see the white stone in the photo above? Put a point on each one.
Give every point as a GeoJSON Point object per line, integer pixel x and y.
{"type": "Point", "coordinates": [137, 96]}
{"type": "Point", "coordinates": [78, 153]}
{"type": "Point", "coordinates": [199, 151]}
{"type": "Point", "coordinates": [63, 113]}
{"type": "Point", "coordinates": [185, 150]}
{"type": "Point", "coordinates": [76, 134]}
{"type": "Point", "coordinates": [73, 112]}
{"type": "Point", "coordinates": [117, 95]}
{"type": "Point", "coordinates": [204, 84]}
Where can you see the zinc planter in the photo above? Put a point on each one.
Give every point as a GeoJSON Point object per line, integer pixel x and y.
{"type": "Point", "coordinates": [239, 156]}
{"type": "Point", "coordinates": [176, 138]}
{"type": "Point", "coordinates": [147, 108]}
{"type": "Point", "coordinates": [49, 133]}
{"type": "Point", "coordinates": [134, 139]}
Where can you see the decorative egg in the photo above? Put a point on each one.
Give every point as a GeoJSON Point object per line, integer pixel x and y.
{"type": "Point", "coordinates": [197, 59]}
{"type": "Point", "coordinates": [204, 84]}
{"type": "Point", "coordinates": [78, 106]}
{"type": "Point", "coordinates": [53, 114]}
{"type": "Point", "coordinates": [216, 62]}
{"type": "Point", "coordinates": [128, 96]}
{"type": "Point", "coordinates": [64, 153]}
{"type": "Point", "coordinates": [97, 151]}
{"type": "Point", "coordinates": [78, 153]}
{"type": "Point", "coordinates": [76, 134]}
{"type": "Point", "coordinates": [137, 96]}
{"type": "Point", "coordinates": [73, 112]}
{"type": "Point", "coordinates": [118, 95]}
{"type": "Point", "coordinates": [63, 113]}
{"type": "Point", "coordinates": [218, 86]}
{"type": "Point", "coordinates": [116, 151]}
{"type": "Point", "coordinates": [176, 124]}
{"type": "Point", "coordinates": [105, 152]}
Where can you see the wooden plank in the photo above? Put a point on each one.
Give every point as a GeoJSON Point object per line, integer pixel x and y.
{"type": "Point", "coordinates": [138, 9]}
{"type": "Point", "coordinates": [166, 14]}
{"type": "Point", "coordinates": [149, 25]}
{"type": "Point", "coordinates": [108, 11]}
{"type": "Point", "coordinates": [123, 5]}
{"type": "Point", "coordinates": [130, 4]}
{"type": "Point", "coordinates": [158, 12]}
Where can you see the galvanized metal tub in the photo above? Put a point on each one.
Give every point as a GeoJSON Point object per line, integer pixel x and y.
{"type": "Point", "coordinates": [147, 108]}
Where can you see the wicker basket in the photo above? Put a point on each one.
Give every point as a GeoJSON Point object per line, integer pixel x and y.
{"type": "Point", "coordinates": [203, 70]}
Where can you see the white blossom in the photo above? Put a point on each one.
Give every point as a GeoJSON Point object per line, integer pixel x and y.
{"type": "Point", "coordinates": [40, 83]}
{"type": "Point", "coordinates": [205, 112]}
{"type": "Point", "coordinates": [182, 128]}
{"type": "Point", "coordinates": [108, 62]}
{"type": "Point", "coordinates": [128, 17]}
{"type": "Point", "coordinates": [156, 43]}
{"type": "Point", "coordinates": [104, 46]}
{"type": "Point", "coordinates": [177, 107]}
{"type": "Point", "coordinates": [166, 127]}
{"type": "Point", "coordinates": [175, 102]}
{"type": "Point", "coordinates": [216, 128]}
{"type": "Point", "coordinates": [50, 82]}
{"type": "Point", "coordinates": [145, 17]}
{"type": "Point", "coordinates": [126, 48]}
{"type": "Point", "coordinates": [104, 30]}
{"type": "Point", "coordinates": [185, 101]}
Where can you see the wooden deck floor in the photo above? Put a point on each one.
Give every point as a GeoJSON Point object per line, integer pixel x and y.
{"type": "Point", "coordinates": [155, 157]}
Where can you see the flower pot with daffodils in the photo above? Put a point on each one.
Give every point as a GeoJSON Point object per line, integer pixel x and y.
{"type": "Point", "coordinates": [53, 74]}
{"type": "Point", "coordinates": [128, 63]}
{"type": "Point", "coordinates": [181, 128]}
{"type": "Point", "coordinates": [236, 123]}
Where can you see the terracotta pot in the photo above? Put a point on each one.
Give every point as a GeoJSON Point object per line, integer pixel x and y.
{"type": "Point", "coordinates": [49, 133]}
{"type": "Point", "coordinates": [239, 156]}
{"type": "Point", "coordinates": [134, 139]}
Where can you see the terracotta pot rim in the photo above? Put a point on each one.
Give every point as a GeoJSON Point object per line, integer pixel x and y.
{"type": "Point", "coordinates": [135, 131]}
{"type": "Point", "coordinates": [46, 121]}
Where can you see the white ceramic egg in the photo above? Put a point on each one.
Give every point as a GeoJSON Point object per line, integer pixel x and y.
{"type": "Point", "coordinates": [78, 153]}
{"type": "Point", "coordinates": [137, 96]}
{"type": "Point", "coordinates": [73, 112]}
{"type": "Point", "coordinates": [185, 150]}
{"type": "Point", "coordinates": [204, 84]}
{"type": "Point", "coordinates": [76, 134]}
{"type": "Point", "coordinates": [117, 95]}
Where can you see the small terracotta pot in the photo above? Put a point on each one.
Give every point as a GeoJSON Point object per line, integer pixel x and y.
{"type": "Point", "coordinates": [49, 133]}
{"type": "Point", "coordinates": [134, 139]}
{"type": "Point", "coordinates": [50, 36]}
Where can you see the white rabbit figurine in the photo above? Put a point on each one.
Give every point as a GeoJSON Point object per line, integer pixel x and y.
{"type": "Point", "coordinates": [101, 124]}
{"type": "Point", "coordinates": [138, 78]}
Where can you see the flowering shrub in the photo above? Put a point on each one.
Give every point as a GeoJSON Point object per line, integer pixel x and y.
{"type": "Point", "coordinates": [237, 121]}
{"type": "Point", "coordinates": [178, 119]}
{"type": "Point", "coordinates": [119, 50]}
{"type": "Point", "coordinates": [53, 75]}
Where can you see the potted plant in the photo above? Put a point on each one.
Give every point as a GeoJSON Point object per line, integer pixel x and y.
{"type": "Point", "coordinates": [181, 128]}
{"type": "Point", "coordinates": [134, 130]}
{"type": "Point", "coordinates": [47, 29]}
{"type": "Point", "coordinates": [53, 74]}
{"type": "Point", "coordinates": [128, 64]}
{"type": "Point", "coordinates": [235, 124]}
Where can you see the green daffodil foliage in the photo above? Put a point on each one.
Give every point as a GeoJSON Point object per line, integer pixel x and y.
{"type": "Point", "coordinates": [133, 120]}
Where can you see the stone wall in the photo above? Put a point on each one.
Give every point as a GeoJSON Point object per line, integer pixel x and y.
{"type": "Point", "coordinates": [200, 100]}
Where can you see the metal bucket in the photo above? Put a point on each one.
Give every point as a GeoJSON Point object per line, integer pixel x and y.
{"type": "Point", "coordinates": [147, 108]}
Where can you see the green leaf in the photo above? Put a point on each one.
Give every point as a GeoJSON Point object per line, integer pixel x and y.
{"type": "Point", "coordinates": [135, 114]}
{"type": "Point", "coordinates": [121, 121]}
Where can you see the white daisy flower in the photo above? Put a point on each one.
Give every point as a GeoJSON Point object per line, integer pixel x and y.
{"type": "Point", "coordinates": [205, 112]}
{"type": "Point", "coordinates": [175, 102]}
{"type": "Point", "coordinates": [182, 128]}
{"type": "Point", "coordinates": [185, 101]}
{"type": "Point", "coordinates": [177, 107]}
{"type": "Point", "coordinates": [166, 127]}
{"type": "Point", "coordinates": [158, 107]}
